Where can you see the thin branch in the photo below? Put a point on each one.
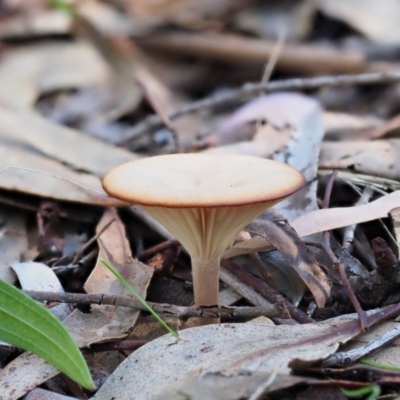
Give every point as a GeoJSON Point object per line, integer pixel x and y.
{"type": "Point", "coordinates": [346, 358]}
{"type": "Point", "coordinates": [164, 118]}
{"type": "Point", "coordinates": [273, 311]}
{"type": "Point", "coordinates": [251, 89]}
{"type": "Point", "coordinates": [158, 248]}
{"type": "Point", "coordinates": [276, 52]}
{"type": "Point", "coordinates": [90, 242]}
{"type": "Point", "coordinates": [340, 267]}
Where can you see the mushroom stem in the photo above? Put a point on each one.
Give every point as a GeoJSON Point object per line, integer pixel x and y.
{"type": "Point", "coordinates": [205, 273]}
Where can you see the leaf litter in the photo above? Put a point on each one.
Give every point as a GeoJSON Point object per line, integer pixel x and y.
{"type": "Point", "coordinates": [106, 101]}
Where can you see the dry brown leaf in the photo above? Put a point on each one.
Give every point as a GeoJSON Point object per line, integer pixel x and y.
{"type": "Point", "coordinates": [62, 143]}
{"type": "Point", "coordinates": [110, 322]}
{"type": "Point", "coordinates": [46, 186]}
{"type": "Point", "coordinates": [283, 238]}
{"type": "Point", "coordinates": [52, 66]}
{"type": "Point", "coordinates": [24, 374]}
{"type": "Point", "coordinates": [378, 157]}
{"type": "Point", "coordinates": [224, 348]}
{"type": "Point", "coordinates": [325, 220]}
{"type": "Point", "coordinates": [233, 386]}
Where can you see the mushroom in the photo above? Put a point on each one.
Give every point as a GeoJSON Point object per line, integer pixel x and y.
{"type": "Point", "coordinates": [204, 200]}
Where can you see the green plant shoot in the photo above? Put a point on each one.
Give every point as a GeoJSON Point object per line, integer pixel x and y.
{"type": "Point", "coordinates": [63, 6]}
{"type": "Point", "coordinates": [139, 298]}
{"type": "Point", "coordinates": [373, 392]}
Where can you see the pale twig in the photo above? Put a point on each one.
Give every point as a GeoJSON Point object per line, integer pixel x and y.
{"type": "Point", "coordinates": [273, 311]}
{"type": "Point", "coordinates": [251, 89]}
{"type": "Point", "coordinates": [151, 251]}
{"type": "Point", "coordinates": [163, 117]}
{"type": "Point", "coordinates": [90, 241]}
{"type": "Point", "coordinates": [345, 358]}
{"type": "Point", "coordinates": [276, 52]}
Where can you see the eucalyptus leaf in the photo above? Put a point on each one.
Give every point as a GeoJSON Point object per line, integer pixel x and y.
{"type": "Point", "coordinates": [26, 324]}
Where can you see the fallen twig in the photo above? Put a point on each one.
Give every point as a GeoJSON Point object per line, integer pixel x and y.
{"type": "Point", "coordinates": [162, 115]}
{"type": "Point", "coordinates": [273, 311]}
{"type": "Point", "coordinates": [251, 89]}
{"type": "Point", "coordinates": [340, 267]}
{"type": "Point", "coordinates": [346, 358]}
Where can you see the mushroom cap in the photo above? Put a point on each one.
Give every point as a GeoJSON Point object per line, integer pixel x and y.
{"type": "Point", "coordinates": [202, 180]}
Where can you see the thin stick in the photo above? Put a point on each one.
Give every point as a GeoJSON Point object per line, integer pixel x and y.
{"type": "Point", "coordinates": [164, 118]}
{"type": "Point", "coordinates": [276, 52]}
{"type": "Point", "coordinates": [273, 311]}
{"type": "Point", "coordinates": [158, 248]}
{"type": "Point", "coordinates": [345, 358]}
{"type": "Point", "coordinates": [90, 241]}
{"type": "Point", "coordinates": [251, 89]}
{"type": "Point", "coordinates": [340, 267]}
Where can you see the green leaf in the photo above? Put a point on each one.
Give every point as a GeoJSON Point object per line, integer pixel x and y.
{"type": "Point", "coordinates": [26, 324]}
{"type": "Point", "coordinates": [63, 6]}
{"type": "Point", "coordinates": [139, 297]}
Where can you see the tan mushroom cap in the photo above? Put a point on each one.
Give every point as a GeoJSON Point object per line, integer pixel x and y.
{"type": "Point", "coordinates": [202, 180]}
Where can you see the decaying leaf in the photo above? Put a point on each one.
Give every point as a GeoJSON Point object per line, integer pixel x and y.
{"type": "Point", "coordinates": [38, 276]}
{"type": "Point", "coordinates": [51, 67]}
{"type": "Point", "coordinates": [378, 157]}
{"type": "Point", "coordinates": [68, 145]}
{"type": "Point", "coordinates": [233, 386]}
{"type": "Point", "coordinates": [47, 185]}
{"type": "Point", "coordinates": [283, 238]}
{"type": "Point", "coordinates": [224, 349]}
{"type": "Point", "coordinates": [110, 322]}
{"type": "Point", "coordinates": [325, 220]}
